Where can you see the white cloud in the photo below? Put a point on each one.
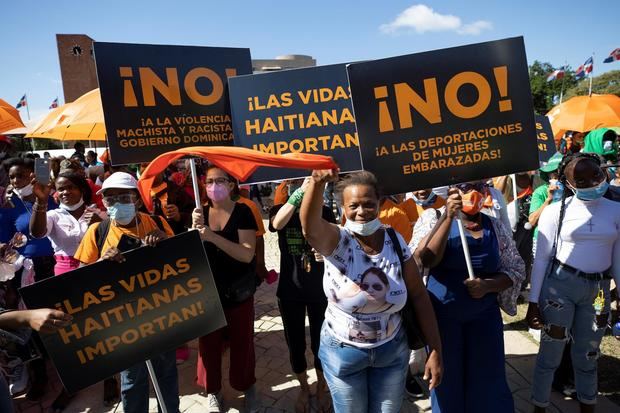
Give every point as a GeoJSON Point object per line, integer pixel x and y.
{"type": "Point", "coordinates": [422, 19]}
{"type": "Point", "coordinates": [475, 28]}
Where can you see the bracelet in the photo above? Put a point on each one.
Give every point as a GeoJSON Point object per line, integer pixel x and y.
{"type": "Point", "coordinates": [296, 198]}
{"type": "Point", "coordinates": [39, 208]}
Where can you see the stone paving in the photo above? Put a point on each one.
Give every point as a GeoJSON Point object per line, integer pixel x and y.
{"type": "Point", "coordinates": [278, 387]}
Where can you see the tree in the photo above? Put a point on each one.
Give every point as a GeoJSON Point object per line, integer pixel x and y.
{"type": "Point", "coordinates": [543, 92]}
{"type": "Point", "coordinates": [607, 83]}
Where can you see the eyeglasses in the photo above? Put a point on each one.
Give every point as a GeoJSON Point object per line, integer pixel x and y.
{"type": "Point", "coordinates": [217, 181]}
{"type": "Point", "coordinates": [119, 199]}
{"type": "Point", "coordinates": [375, 286]}
{"type": "Point", "coordinates": [468, 187]}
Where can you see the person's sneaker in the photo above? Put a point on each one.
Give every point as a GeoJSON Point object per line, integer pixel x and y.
{"type": "Point", "coordinates": [570, 391]}
{"type": "Point", "coordinates": [413, 388]}
{"type": "Point", "coordinates": [251, 404]}
{"type": "Point", "coordinates": [214, 403]}
{"type": "Point", "coordinates": [18, 378]}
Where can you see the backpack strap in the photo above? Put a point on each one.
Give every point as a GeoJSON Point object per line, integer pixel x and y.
{"type": "Point", "coordinates": [101, 233]}
{"type": "Point", "coordinates": [396, 245]}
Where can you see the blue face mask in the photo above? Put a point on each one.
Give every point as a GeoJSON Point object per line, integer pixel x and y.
{"type": "Point", "coordinates": [425, 203]}
{"type": "Point", "coordinates": [591, 194]}
{"type": "Point", "coordinates": [122, 213]}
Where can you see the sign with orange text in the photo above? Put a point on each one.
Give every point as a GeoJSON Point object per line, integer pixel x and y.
{"type": "Point", "coordinates": [546, 143]}
{"type": "Point", "coordinates": [125, 313]}
{"type": "Point", "coordinates": [160, 98]}
{"type": "Point", "coordinates": [445, 116]}
{"type": "Point", "coordinates": [304, 110]}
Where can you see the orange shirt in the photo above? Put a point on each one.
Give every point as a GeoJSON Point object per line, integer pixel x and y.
{"type": "Point", "coordinates": [392, 215]}
{"type": "Point", "coordinates": [281, 194]}
{"type": "Point", "coordinates": [414, 210]}
{"type": "Point", "coordinates": [256, 212]}
{"type": "Point", "coordinates": [88, 253]}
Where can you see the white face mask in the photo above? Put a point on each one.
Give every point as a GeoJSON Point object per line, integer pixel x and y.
{"type": "Point", "coordinates": [363, 229]}
{"type": "Point", "coordinates": [608, 146]}
{"type": "Point", "coordinates": [23, 192]}
{"type": "Point", "coordinates": [72, 207]}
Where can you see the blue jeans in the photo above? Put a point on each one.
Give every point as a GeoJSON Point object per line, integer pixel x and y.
{"type": "Point", "coordinates": [365, 380]}
{"type": "Point", "coordinates": [566, 301]}
{"type": "Point", "coordinates": [135, 384]}
{"type": "Point", "coordinates": [6, 403]}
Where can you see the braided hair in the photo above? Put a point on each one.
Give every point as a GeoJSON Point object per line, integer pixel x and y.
{"type": "Point", "coordinates": [567, 160]}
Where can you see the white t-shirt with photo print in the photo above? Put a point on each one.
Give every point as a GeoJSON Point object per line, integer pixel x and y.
{"type": "Point", "coordinates": [365, 292]}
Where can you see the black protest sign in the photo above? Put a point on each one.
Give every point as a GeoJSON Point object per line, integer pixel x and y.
{"type": "Point", "coordinates": [123, 314]}
{"type": "Point", "coordinates": [445, 116]}
{"type": "Point", "coordinates": [546, 143]}
{"type": "Point", "coordinates": [302, 110]}
{"type": "Point", "coordinates": [161, 98]}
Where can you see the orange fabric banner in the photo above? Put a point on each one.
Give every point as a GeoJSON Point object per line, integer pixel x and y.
{"type": "Point", "coordinates": [238, 162]}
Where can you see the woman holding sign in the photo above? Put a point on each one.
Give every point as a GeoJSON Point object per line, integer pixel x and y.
{"type": "Point", "coordinates": [364, 350]}
{"type": "Point", "coordinates": [468, 310]}
{"type": "Point", "coordinates": [228, 230]}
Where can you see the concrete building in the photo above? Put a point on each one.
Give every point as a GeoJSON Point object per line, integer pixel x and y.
{"type": "Point", "coordinates": [77, 65]}
{"type": "Point", "coordinates": [289, 61]}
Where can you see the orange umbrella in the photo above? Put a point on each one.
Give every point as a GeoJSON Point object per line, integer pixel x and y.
{"type": "Point", "coordinates": [9, 117]}
{"type": "Point", "coordinates": [585, 113]}
{"type": "Point", "coordinates": [238, 162]}
{"type": "Point", "coordinates": [78, 120]}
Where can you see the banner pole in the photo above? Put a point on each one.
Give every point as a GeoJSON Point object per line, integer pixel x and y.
{"type": "Point", "coordinates": [192, 168]}
{"type": "Point", "coordinates": [470, 268]}
{"type": "Point", "coordinates": [160, 397]}
{"type": "Point", "coordinates": [515, 194]}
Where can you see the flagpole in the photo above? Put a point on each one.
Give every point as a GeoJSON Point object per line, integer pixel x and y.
{"type": "Point", "coordinates": [562, 87]}
{"type": "Point", "coordinates": [27, 107]}
{"type": "Point", "coordinates": [590, 74]}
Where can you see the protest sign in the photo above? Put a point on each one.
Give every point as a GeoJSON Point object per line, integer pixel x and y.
{"type": "Point", "coordinates": [125, 313]}
{"type": "Point", "coordinates": [546, 143]}
{"type": "Point", "coordinates": [445, 116]}
{"type": "Point", "coordinates": [304, 110]}
{"type": "Point", "coordinates": [161, 98]}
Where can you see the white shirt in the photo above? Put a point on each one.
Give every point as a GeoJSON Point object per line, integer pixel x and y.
{"type": "Point", "coordinates": [361, 309]}
{"type": "Point", "coordinates": [588, 239]}
{"type": "Point", "coordinates": [64, 231]}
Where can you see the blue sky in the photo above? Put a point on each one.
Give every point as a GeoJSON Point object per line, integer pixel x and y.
{"type": "Point", "coordinates": [331, 31]}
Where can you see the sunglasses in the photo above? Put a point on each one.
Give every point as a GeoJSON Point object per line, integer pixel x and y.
{"type": "Point", "coordinates": [217, 181]}
{"type": "Point", "coordinates": [119, 199]}
{"type": "Point", "coordinates": [468, 187]}
{"type": "Point", "coordinates": [375, 286]}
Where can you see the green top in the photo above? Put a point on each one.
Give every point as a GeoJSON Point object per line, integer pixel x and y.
{"type": "Point", "coordinates": [538, 199]}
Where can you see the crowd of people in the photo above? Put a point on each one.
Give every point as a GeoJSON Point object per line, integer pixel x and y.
{"type": "Point", "coordinates": [371, 272]}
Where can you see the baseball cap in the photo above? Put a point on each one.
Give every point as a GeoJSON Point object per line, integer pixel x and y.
{"type": "Point", "coordinates": [553, 163]}
{"type": "Point", "coordinates": [121, 180]}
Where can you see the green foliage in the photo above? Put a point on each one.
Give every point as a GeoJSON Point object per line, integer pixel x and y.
{"type": "Point", "coordinates": [607, 83]}
{"type": "Point", "coordinates": [543, 91]}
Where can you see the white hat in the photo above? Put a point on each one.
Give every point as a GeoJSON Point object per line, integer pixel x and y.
{"type": "Point", "coordinates": [121, 180]}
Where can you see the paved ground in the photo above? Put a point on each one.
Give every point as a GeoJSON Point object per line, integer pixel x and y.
{"type": "Point", "coordinates": [277, 386]}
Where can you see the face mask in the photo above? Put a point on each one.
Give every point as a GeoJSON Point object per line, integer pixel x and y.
{"type": "Point", "coordinates": [72, 207]}
{"type": "Point", "coordinates": [593, 193]}
{"type": "Point", "coordinates": [472, 202]}
{"type": "Point", "coordinates": [365, 229]}
{"type": "Point", "coordinates": [122, 213]}
{"type": "Point", "coordinates": [608, 146]}
{"type": "Point", "coordinates": [23, 192]}
{"type": "Point", "coordinates": [425, 203]}
{"type": "Point", "coordinates": [217, 192]}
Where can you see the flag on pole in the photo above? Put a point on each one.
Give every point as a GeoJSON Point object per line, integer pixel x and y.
{"type": "Point", "coordinates": [556, 75]}
{"type": "Point", "coordinates": [585, 69]}
{"type": "Point", "coordinates": [54, 104]}
{"type": "Point", "coordinates": [613, 56]}
{"type": "Point", "coordinates": [22, 102]}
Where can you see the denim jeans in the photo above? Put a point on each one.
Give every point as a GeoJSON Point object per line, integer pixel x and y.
{"type": "Point", "coordinates": [566, 301]}
{"type": "Point", "coordinates": [365, 380]}
{"type": "Point", "coordinates": [6, 403]}
{"type": "Point", "coordinates": [135, 384]}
